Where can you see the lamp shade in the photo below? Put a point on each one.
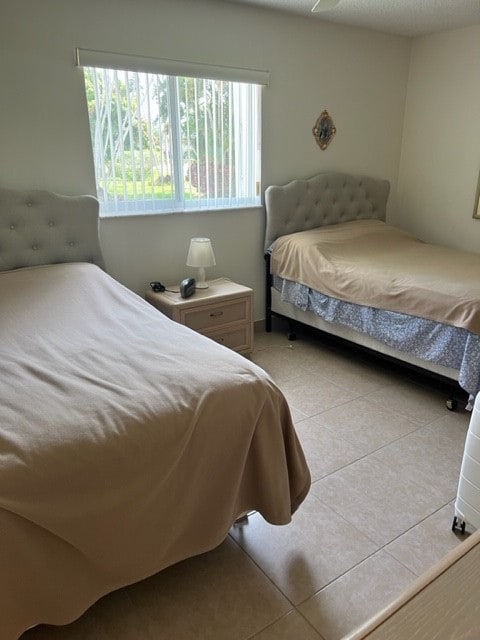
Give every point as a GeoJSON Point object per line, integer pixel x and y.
{"type": "Point", "coordinates": [200, 253]}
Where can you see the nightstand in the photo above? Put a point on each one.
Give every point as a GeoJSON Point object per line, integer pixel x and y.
{"type": "Point", "coordinates": [223, 312]}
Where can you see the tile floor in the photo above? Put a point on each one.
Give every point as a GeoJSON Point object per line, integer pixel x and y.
{"type": "Point", "coordinates": [384, 454]}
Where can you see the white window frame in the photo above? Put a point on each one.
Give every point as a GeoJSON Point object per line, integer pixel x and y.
{"type": "Point", "coordinates": [247, 125]}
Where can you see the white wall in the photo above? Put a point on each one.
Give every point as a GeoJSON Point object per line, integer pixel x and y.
{"type": "Point", "coordinates": [440, 159]}
{"type": "Point", "coordinates": [358, 75]}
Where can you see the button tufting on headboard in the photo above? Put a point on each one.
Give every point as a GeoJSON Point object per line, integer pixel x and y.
{"type": "Point", "coordinates": [35, 225]}
{"type": "Point", "coordinates": [326, 198]}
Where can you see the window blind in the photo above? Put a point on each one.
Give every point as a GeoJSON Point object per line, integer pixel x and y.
{"type": "Point", "coordinates": [167, 66]}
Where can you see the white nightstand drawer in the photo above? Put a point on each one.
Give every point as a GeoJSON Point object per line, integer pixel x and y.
{"type": "Point", "coordinates": [237, 338]}
{"type": "Point", "coordinates": [215, 315]}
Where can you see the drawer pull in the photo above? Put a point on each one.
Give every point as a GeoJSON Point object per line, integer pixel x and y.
{"type": "Point", "coordinates": [216, 314]}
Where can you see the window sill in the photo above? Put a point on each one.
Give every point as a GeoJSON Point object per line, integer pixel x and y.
{"type": "Point", "coordinates": [149, 214]}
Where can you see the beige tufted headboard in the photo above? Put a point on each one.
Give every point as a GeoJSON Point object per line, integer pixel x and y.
{"type": "Point", "coordinates": [327, 198]}
{"type": "Point", "coordinates": [40, 227]}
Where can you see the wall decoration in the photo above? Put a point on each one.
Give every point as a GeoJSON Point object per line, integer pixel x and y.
{"type": "Point", "coordinates": [324, 130]}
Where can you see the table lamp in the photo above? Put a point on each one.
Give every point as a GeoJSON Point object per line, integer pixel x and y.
{"type": "Point", "coordinates": [200, 255]}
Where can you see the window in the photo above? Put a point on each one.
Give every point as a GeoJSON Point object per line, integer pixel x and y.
{"type": "Point", "coordinates": [165, 143]}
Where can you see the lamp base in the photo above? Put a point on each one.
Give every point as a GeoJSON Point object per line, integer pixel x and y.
{"type": "Point", "coordinates": [201, 283]}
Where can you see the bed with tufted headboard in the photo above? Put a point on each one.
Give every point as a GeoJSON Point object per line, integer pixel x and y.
{"type": "Point", "coordinates": [110, 427]}
{"type": "Point", "coordinates": [333, 263]}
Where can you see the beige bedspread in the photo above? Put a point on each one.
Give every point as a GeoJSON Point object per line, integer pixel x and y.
{"type": "Point", "coordinates": [127, 443]}
{"type": "Point", "coordinates": [370, 263]}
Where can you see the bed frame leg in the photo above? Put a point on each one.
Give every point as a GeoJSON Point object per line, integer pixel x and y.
{"type": "Point", "coordinates": [452, 404]}
{"type": "Point", "coordinates": [268, 321]}
{"type": "Point", "coordinates": [291, 335]}
{"type": "Point", "coordinates": [268, 294]}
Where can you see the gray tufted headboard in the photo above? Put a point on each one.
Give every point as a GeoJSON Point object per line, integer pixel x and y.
{"type": "Point", "coordinates": [41, 227]}
{"type": "Point", "coordinates": [327, 198]}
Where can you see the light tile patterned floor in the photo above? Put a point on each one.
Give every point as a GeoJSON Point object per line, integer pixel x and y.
{"type": "Point", "coordinates": [385, 455]}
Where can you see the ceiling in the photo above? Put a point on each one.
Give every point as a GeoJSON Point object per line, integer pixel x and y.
{"type": "Point", "coordinates": [401, 17]}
